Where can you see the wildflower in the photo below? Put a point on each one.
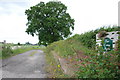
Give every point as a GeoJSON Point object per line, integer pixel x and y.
{"type": "Point", "coordinates": [58, 65]}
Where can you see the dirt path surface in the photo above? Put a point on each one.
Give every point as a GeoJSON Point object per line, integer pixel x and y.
{"type": "Point", "coordinates": [26, 65]}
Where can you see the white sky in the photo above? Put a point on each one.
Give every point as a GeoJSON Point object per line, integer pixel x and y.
{"type": "Point", "coordinates": [88, 15]}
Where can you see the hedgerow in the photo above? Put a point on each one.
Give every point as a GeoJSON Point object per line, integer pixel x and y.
{"type": "Point", "coordinates": [88, 39]}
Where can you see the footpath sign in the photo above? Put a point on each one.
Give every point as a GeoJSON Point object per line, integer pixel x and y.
{"type": "Point", "coordinates": [108, 44]}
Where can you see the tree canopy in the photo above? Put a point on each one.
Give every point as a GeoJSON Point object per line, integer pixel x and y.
{"type": "Point", "coordinates": [49, 21]}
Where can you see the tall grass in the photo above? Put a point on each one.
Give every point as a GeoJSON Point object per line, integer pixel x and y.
{"type": "Point", "coordinates": [0, 51]}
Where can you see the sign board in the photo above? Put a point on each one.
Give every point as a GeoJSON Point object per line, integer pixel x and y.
{"type": "Point", "coordinates": [108, 44]}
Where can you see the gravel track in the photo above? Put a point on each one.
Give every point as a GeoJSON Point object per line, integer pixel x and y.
{"type": "Point", "coordinates": [30, 64]}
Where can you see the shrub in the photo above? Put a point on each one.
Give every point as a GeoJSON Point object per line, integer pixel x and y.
{"type": "Point", "coordinates": [6, 51]}
{"type": "Point", "coordinates": [100, 66]}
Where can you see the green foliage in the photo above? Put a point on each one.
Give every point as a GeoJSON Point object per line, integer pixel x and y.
{"type": "Point", "coordinates": [100, 66]}
{"type": "Point", "coordinates": [118, 43]}
{"type": "Point", "coordinates": [6, 51]}
{"type": "Point", "coordinates": [1, 50]}
{"type": "Point", "coordinates": [88, 39]}
{"type": "Point", "coordinates": [108, 29]}
{"type": "Point", "coordinates": [49, 21]}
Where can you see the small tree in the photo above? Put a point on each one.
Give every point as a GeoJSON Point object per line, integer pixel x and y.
{"type": "Point", "coordinates": [50, 22]}
{"type": "Point", "coordinates": [27, 43]}
{"type": "Point", "coordinates": [18, 43]}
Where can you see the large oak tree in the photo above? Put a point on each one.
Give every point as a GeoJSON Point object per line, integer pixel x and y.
{"type": "Point", "coordinates": [49, 21]}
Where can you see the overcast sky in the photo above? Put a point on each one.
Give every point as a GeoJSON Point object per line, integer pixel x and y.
{"type": "Point", "coordinates": [88, 15]}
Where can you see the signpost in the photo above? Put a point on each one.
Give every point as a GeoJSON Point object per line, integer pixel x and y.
{"type": "Point", "coordinates": [108, 44]}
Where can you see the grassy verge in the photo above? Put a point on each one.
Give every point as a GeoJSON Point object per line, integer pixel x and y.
{"type": "Point", "coordinates": [65, 49]}
{"type": "Point", "coordinates": [69, 47]}
{"type": "Point", "coordinates": [91, 65]}
{"type": "Point", "coordinates": [0, 51]}
{"type": "Point", "coordinates": [53, 68]}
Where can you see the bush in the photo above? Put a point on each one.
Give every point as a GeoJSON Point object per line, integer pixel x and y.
{"type": "Point", "coordinates": [100, 66]}
{"type": "Point", "coordinates": [6, 51]}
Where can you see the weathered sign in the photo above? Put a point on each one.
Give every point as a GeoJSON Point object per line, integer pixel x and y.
{"type": "Point", "coordinates": [108, 44]}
